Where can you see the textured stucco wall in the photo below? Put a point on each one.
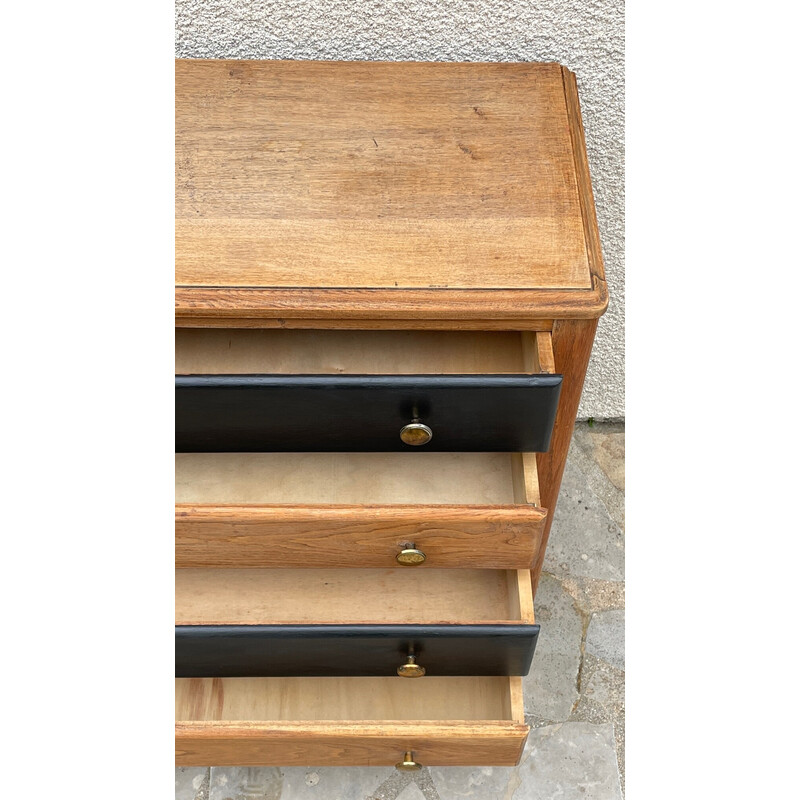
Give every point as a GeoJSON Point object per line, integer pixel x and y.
{"type": "Point", "coordinates": [585, 35]}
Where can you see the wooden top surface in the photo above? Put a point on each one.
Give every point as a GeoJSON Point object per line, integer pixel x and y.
{"type": "Point", "coordinates": [392, 190]}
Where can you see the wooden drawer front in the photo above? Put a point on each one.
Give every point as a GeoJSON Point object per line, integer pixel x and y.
{"type": "Point", "coordinates": [234, 651]}
{"type": "Point", "coordinates": [348, 721]}
{"type": "Point", "coordinates": [252, 745]}
{"type": "Point", "coordinates": [356, 536]}
{"type": "Point", "coordinates": [357, 510]}
{"type": "Point", "coordinates": [288, 391]}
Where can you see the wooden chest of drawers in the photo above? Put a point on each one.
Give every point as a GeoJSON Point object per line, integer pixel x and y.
{"type": "Point", "coordinates": [388, 279]}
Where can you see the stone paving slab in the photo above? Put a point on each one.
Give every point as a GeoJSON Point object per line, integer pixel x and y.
{"type": "Point", "coordinates": [233, 783]}
{"type": "Point", "coordinates": [603, 700]}
{"type": "Point", "coordinates": [454, 783]}
{"type": "Point", "coordinates": [191, 783]}
{"type": "Point", "coordinates": [411, 792]}
{"type": "Point", "coordinates": [551, 687]}
{"type": "Point", "coordinates": [296, 783]}
{"type": "Point", "coordinates": [569, 761]}
{"type": "Point", "coordinates": [605, 637]}
{"type": "Point", "coordinates": [605, 444]}
{"type": "Point", "coordinates": [574, 694]}
{"type": "Point", "coordinates": [591, 595]}
{"type": "Point", "coordinates": [599, 452]}
{"type": "Point", "coordinates": [585, 541]}
{"type": "Point", "coordinates": [335, 782]}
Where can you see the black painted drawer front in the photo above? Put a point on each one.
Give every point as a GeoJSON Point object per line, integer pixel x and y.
{"type": "Point", "coordinates": [363, 413]}
{"type": "Point", "coordinates": [246, 651]}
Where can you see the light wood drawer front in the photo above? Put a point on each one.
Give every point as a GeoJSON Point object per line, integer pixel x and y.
{"type": "Point", "coordinates": [348, 721]}
{"type": "Point", "coordinates": [357, 509]}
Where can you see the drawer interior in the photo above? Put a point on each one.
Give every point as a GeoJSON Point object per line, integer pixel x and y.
{"type": "Point", "coordinates": [347, 699]}
{"type": "Point", "coordinates": [210, 596]}
{"type": "Point", "coordinates": [309, 352]}
{"type": "Point", "coordinates": [349, 478]}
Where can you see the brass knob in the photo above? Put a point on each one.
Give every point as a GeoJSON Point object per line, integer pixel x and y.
{"type": "Point", "coordinates": [409, 556]}
{"type": "Point", "coordinates": [411, 669]}
{"type": "Point", "coordinates": [415, 433]}
{"type": "Point", "coordinates": [408, 764]}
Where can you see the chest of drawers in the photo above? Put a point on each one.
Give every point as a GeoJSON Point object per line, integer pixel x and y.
{"type": "Point", "coordinates": [388, 279]}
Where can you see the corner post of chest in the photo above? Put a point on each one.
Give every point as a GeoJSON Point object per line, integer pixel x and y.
{"type": "Point", "coordinates": [572, 346]}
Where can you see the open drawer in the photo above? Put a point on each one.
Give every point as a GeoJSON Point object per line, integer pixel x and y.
{"type": "Point", "coordinates": [363, 391]}
{"type": "Point", "coordinates": [349, 721]}
{"type": "Point", "coordinates": [346, 623]}
{"type": "Point", "coordinates": [357, 510]}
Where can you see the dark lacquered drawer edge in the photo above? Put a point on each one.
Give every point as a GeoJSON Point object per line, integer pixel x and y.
{"type": "Point", "coordinates": [363, 413]}
{"type": "Point", "coordinates": [228, 651]}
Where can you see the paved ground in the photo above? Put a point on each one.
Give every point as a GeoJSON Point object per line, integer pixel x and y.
{"type": "Point", "coordinates": [574, 693]}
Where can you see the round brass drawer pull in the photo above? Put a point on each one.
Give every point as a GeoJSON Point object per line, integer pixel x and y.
{"type": "Point", "coordinates": [415, 433]}
{"type": "Point", "coordinates": [409, 556]}
{"type": "Point", "coordinates": [411, 669]}
{"type": "Point", "coordinates": [408, 764]}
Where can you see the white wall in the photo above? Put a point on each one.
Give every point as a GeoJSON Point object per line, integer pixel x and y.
{"type": "Point", "coordinates": [585, 35]}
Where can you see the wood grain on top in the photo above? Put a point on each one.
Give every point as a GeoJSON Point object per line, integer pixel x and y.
{"type": "Point", "coordinates": [297, 175]}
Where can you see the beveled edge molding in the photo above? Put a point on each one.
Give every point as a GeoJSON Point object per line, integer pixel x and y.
{"type": "Point", "coordinates": [507, 306]}
{"type": "Point", "coordinates": [340, 323]}
{"type": "Point", "coordinates": [586, 196]}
